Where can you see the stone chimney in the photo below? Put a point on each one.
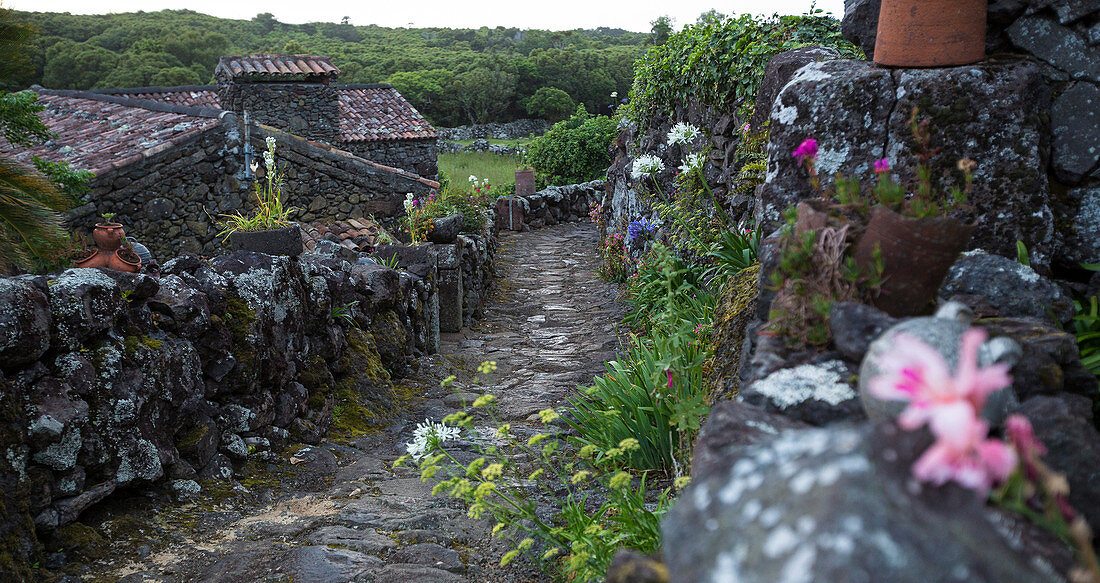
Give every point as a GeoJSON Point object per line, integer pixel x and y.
{"type": "Point", "coordinates": [289, 92]}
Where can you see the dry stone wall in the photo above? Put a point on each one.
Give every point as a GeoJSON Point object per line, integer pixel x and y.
{"type": "Point", "coordinates": [417, 156]}
{"type": "Point", "coordinates": [172, 200]}
{"type": "Point", "coordinates": [111, 380]}
{"type": "Point", "coordinates": [310, 110]}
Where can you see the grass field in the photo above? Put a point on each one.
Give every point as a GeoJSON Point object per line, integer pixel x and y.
{"type": "Point", "coordinates": [459, 166]}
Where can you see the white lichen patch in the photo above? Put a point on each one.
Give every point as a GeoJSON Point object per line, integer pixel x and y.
{"type": "Point", "coordinates": [799, 568]}
{"type": "Point", "coordinates": [780, 541]}
{"type": "Point", "coordinates": [793, 386]}
{"type": "Point", "coordinates": [61, 456]}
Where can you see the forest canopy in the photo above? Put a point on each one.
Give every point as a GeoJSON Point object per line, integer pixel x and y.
{"type": "Point", "coordinates": [453, 76]}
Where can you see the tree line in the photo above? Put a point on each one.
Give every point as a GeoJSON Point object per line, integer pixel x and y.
{"type": "Point", "coordinates": [453, 76]}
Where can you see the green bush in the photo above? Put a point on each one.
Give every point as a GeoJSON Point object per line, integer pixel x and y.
{"type": "Point", "coordinates": [574, 150]}
{"type": "Point", "coordinates": [568, 510]}
{"type": "Point", "coordinates": [721, 62]}
{"type": "Point", "coordinates": [551, 103]}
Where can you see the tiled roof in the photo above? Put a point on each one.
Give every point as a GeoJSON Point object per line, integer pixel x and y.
{"type": "Point", "coordinates": [186, 95]}
{"type": "Point", "coordinates": [368, 112]}
{"type": "Point", "coordinates": [100, 133]}
{"type": "Point", "coordinates": [359, 235]}
{"type": "Point", "coordinates": [275, 66]}
{"type": "Point", "coordinates": [378, 112]}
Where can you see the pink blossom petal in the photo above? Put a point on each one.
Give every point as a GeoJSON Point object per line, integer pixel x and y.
{"type": "Point", "coordinates": [998, 458]}
{"type": "Point", "coordinates": [958, 425]}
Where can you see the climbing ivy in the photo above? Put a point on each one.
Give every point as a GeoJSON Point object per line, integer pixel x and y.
{"type": "Point", "coordinates": [722, 61]}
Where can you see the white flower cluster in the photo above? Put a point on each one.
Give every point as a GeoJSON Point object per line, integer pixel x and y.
{"type": "Point", "coordinates": [692, 162]}
{"type": "Point", "coordinates": [427, 437]}
{"type": "Point", "coordinates": [646, 165]}
{"type": "Point", "coordinates": [472, 179]}
{"type": "Point", "coordinates": [409, 203]}
{"type": "Point", "coordinates": [269, 155]}
{"type": "Point", "coordinates": [682, 133]}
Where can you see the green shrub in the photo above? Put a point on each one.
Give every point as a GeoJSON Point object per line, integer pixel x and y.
{"type": "Point", "coordinates": [574, 150]}
{"type": "Point", "coordinates": [551, 103]}
{"type": "Point", "coordinates": [721, 62]}
{"type": "Point", "coordinates": [1086, 326]}
{"type": "Point", "coordinates": [653, 394]}
{"type": "Point", "coordinates": [568, 510]}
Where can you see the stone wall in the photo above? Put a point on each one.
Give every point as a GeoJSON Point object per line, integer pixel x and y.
{"type": "Point", "coordinates": [549, 206]}
{"type": "Point", "coordinates": [417, 156]}
{"type": "Point", "coordinates": [310, 110]}
{"type": "Point", "coordinates": [172, 199]}
{"type": "Point", "coordinates": [1056, 87]}
{"type": "Point", "coordinates": [111, 380]}
{"type": "Point", "coordinates": [521, 128]}
{"type": "Point", "coordinates": [118, 380]}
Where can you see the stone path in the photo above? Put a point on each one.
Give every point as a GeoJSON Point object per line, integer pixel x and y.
{"type": "Point", "coordinates": [341, 513]}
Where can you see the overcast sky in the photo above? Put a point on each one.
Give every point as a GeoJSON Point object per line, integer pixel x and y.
{"type": "Point", "coordinates": [545, 14]}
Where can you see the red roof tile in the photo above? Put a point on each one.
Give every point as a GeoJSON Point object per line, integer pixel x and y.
{"type": "Point", "coordinates": [275, 66]}
{"type": "Point", "coordinates": [378, 112]}
{"type": "Point", "coordinates": [373, 112]}
{"type": "Point", "coordinates": [99, 135]}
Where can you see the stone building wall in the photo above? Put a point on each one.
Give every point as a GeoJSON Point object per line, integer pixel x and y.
{"type": "Point", "coordinates": [417, 156]}
{"type": "Point", "coordinates": [172, 199]}
{"type": "Point", "coordinates": [310, 110]}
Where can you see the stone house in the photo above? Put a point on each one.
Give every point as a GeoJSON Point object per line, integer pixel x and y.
{"type": "Point", "coordinates": [169, 161]}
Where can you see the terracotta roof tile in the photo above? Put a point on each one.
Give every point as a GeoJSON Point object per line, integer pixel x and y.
{"type": "Point", "coordinates": [373, 112]}
{"type": "Point", "coordinates": [275, 66]}
{"type": "Point", "coordinates": [379, 112]}
{"type": "Point", "coordinates": [101, 135]}
{"type": "Point", "coordinates": [356, 234]}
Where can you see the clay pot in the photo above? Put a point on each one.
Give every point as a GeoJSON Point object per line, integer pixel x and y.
{"type": "Point", "coordinates": [930, 33]}
{"type": "Point", "coordinates": [109, 251]}
{"type": "Point", "coordinates": [916, 254]}
{"type": "Point", "coordinates": [525, 182]}
{"type": "Point", "coordinates": [108, 236]}
{"type": "Point", "coordinates": [124, 259]}
{"type": "Point", "coordinates": [93, 259]}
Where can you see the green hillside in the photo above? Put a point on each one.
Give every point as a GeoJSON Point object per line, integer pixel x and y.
{"type": "Point", "coordinates": [453, 76]}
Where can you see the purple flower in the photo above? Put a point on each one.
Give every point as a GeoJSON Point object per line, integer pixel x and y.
{"type": "Point", "coordinates": [640, 229]}
{"type": "Point", "coordinates": [807, 150]}
{"type": "Point", "coordinates": [882, 165]}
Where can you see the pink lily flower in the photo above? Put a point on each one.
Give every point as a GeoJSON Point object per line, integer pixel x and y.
{"type": "Point", "coordinates": [963, 453]}
{"type": "Point", "coordinates": [917, 373]}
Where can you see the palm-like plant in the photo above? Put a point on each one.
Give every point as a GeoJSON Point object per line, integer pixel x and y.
{"type": "Point", "coordinates": [30, 220]}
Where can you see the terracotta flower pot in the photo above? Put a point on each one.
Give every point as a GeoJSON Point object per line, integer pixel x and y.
{"type": "Point", "coordinates": [124, 259]}
{"type": "Point", "coordinates": [916, 254]}
{"type": "Point", "coordinates": [930, 33]}
{"type": "Point", "coordinates": [109, 251]}
{"type": "Point", "coordinates": [108, 236]}
{"type": "Point", "coordinates": [92, 259]}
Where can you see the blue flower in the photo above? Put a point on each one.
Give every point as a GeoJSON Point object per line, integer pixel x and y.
{"type": "Point", "coordinates": [640, 229]}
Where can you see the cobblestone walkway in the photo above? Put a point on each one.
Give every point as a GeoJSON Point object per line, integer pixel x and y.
{"type": "Point", "coordinates": [351, 517]}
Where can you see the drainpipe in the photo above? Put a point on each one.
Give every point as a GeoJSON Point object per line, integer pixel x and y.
{"type": "Point", "coordinates": [247, 147]}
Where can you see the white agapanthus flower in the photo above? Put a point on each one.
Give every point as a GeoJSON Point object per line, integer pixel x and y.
{"type": "Point", "coordinates": [692, 162]}
{"type": "Point", "coordinates": [682, 133]}
{"type": "Point", "coordinates": [646, 165]}
{"type": "Point", "coordinates": [427, 437]}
